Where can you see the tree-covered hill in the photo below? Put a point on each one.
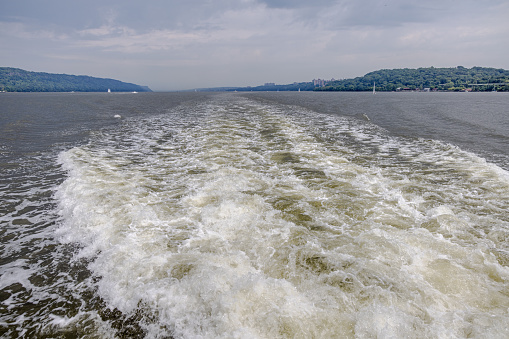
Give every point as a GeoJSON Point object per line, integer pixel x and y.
{"type": "Point", "coordinates": [18, 80]}
{"type": "Point", "coordinates": [444, 79]}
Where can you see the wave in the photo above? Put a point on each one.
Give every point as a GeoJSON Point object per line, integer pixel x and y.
{"type": "Point", "coordinates": [233, 218]}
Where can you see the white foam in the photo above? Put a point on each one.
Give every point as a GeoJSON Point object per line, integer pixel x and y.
{"type": "Point", "coordinates": [14, 273]}
{"type": "Point", "coordinates": [246, 223]}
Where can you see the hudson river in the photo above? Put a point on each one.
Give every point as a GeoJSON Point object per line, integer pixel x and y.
{"type": "Point", "coordinates": [254, 215]}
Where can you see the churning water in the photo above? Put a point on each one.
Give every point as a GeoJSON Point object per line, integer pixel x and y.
{"type": "Point", "coordinates": [254, 216]}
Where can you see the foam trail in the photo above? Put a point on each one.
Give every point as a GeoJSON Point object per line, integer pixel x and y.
{"type": "Point", "coordinates": [237, 219]}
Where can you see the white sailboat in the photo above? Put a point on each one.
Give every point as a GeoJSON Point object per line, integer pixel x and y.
{"type": "Point", "coordinates": [374, 88]}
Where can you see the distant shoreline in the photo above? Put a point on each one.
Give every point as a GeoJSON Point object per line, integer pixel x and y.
{"type": "Point", "coordinates": [19, 80]}
{"type": "Point", "coordinates": [454, 79]}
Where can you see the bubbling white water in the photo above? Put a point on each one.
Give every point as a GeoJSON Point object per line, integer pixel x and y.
{"type": "Point", "coordinates": [243, 220]}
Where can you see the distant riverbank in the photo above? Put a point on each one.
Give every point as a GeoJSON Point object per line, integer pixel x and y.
{"type": "Point", "coordinates": [454, 79]}
{"type": "Point", "coordinates": [19, 80]}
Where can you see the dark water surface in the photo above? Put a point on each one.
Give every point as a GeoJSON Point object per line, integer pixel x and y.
{"type": "Point", "coordinates": [477, 122]}
{"type": "Point", "coordinates": [254, 215]}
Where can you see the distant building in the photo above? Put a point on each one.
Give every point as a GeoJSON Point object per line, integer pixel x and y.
{"type": "Point", "coordinates": [319, 82]}
{"type": "Point", "coordinates": [269, 84]}
{"type": "Point", "coordinates": [322, 82]}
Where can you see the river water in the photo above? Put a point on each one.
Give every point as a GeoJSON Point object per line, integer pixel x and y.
{"type": "Point", "coordinates": [254, 215]}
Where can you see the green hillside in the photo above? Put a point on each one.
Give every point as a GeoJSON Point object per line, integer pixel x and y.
{"type": "Point", "coordinates": [18, 80]}
{"type": "Point", "coordinates": [443, 79]}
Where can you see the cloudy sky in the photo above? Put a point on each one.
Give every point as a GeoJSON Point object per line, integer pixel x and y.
{"type": "Point", "coordinates": [172, 45]}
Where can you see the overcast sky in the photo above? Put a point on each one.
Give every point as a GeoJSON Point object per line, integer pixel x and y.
{"type": "Point", "coordinates": [172, 45]}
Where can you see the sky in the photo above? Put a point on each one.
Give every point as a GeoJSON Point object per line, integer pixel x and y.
{"type": "Point", "coordinates": [176, 45]}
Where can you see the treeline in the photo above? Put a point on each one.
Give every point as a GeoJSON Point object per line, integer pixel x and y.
{"type": "Point", "coordinates": [18, 80]}
{"type": "Point", "coordinates": [303, 86]}
{"type": "Point", "coordinates": [442, 79]}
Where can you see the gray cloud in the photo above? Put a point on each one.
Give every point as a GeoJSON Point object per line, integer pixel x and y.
{"type": "Point", "coordinates": [298, 3]}
{"type": "Point", "coordinates": [199, 43]}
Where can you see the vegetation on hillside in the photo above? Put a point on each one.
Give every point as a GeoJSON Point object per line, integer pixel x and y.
{"type": "Point", "coordinates": [443, 79]}
{"type": "Point", "coordinates": [18, 80]}
{"type": "Point", "coordinates": [303, 86]}
{"type": "Point", "coordinates": [439, 79]}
